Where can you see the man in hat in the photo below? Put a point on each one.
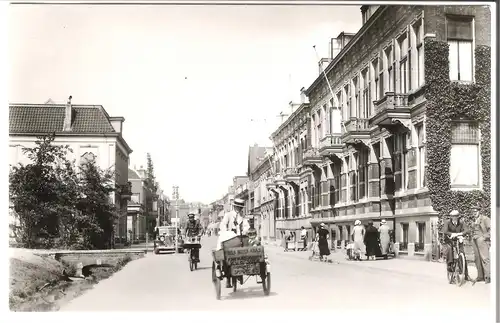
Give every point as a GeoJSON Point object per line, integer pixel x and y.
{"type": "Point", "coordinates": [232, 224]}
{"type": "Point", "coordinates": [480, 237]}
{"type": "Point", "coordinates": [193, 228]}
{"type": "Point", "coordinates": [451, 229]}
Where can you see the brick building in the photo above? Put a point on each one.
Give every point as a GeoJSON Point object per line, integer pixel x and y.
{"type": "Point", "coordinates": [369, 146]}
{"type": "Point", "coordinates": [291, 181]}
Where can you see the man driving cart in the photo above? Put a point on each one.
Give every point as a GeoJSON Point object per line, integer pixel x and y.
{"type": "Point", "coordinates": [193, 229]}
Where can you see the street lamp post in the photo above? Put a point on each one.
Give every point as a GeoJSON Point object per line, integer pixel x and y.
{"type": "Point", "coordinates": [175, 196]}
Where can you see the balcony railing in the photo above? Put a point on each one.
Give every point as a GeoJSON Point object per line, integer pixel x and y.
{"type": "Point", "coordinates": [330, 140]}
{"type": "Point", "coordinates": [391, 101]}
{"type": "Point", "coordinates": [311, 153]}
{"type": "Point", "coordinates": [355, 124]}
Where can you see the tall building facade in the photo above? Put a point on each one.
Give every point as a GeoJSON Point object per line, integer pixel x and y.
{"type": "Point", "coordinates": [405, 135]}
{"type": "Point", "coordinates": [292, 177]}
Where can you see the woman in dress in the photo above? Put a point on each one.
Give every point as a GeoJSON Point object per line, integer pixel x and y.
{"type": "Point", "coordinates": [323, 236]}
{"type": "Point", "coordinates": [385, 238]}
{"type": "Point", "coordinates": [358, 236]}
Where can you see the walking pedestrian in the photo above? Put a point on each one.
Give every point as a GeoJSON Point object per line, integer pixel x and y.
{"type": "Point", "coordinates": [480, 237]}
{"type": "Point", "coordinates": [358, 235]}
{"type": "Point", "coordinates": [322, 236]}
{"type": "Point", "coordinates": [371, 241]}
{"type": "Point", "coordinates": [303, 237]}
{"type": "Point", "coordinates": [385, 237]}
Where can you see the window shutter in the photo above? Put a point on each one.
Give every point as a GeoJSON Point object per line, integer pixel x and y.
{"type": "Point", "coordinates": [459, 28]}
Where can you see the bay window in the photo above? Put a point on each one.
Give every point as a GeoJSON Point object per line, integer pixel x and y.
{"type": "Point", "coordinates": [465, 154]}
{"type": "Point", "coordinates": [459, 33]}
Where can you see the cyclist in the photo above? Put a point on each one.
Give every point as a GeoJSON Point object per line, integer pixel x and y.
{"type": "Point", "coordinates": [452, 229]}
{"type": "Point", "coordinates": [193, 229]}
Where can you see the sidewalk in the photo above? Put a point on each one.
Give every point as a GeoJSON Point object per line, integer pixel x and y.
{"type": "Point", "coordinates": [427, 269]}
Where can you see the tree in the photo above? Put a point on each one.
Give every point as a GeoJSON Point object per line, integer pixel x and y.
{"type": "Point", "coordinates": [150, 173]}
{"type": "Point", "coordinates": [43, 192]}
{"type": "Point", "coordinates": [96, 225]}
{"type": "Point", "coordinates": [59, 206]}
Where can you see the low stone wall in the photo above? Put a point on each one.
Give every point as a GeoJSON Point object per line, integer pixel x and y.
{"type": "Point", "coordinates": [91, 257]}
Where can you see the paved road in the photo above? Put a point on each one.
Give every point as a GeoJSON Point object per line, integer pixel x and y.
{"type": "Point", "coordinates": [164, 282]}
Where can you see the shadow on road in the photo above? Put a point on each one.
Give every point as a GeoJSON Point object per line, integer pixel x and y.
{"type": "Point", "coordinates": [249, 292]}
{"type": "Point", "coordinates": [204, 268]}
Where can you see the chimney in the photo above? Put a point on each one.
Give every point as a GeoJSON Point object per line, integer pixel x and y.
{"type": "Point", "coordinates": [117, 123]}
{"type": "Point", "coordinates": [68, 115]}
{"type": "Point", "coordinates": [303, 96]}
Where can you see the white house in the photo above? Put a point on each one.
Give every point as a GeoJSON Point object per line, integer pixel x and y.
{"type": "Point", "coordinates": [87, 129]}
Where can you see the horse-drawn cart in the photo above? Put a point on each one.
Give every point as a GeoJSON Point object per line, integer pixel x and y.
{"type": "Point", "coordinates": [237, 259]}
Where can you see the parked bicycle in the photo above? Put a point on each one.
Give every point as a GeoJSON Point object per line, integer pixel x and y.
{"type": "Point", "coordinates": [458, 274]}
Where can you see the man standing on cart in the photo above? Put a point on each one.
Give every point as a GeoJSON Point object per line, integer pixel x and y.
{"type": "Point", "coordinates": [193, 229]}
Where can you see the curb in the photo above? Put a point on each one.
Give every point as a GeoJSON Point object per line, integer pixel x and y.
{"type": "Point", "coordinates": [363, 265]}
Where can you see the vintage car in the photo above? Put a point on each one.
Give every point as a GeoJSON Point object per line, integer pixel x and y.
{"type": "Point", "coordinates": [165, 240]}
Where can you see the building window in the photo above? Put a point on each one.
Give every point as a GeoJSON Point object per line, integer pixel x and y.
{"type": "Point", "coordinates": [348, 101]}
{"type": "Point", "coordinates": [363, 173]}
{"type": "Point", "coordinates": [354, 184]}
{"type": "Point", "coordinates": [403, 244]}
{"type": "Point", "coordinates": [421, 157]}
{"type": "Point", "coordinates": [418, 34]}
{"type": "Point", "coordinates": [404, 64]}
{"type": "Point", "coordinates": [459, 33]}
{"type": "Point", "coordinates": [336, 175]}
{"type": "Point", "coordinates": [355, 90]}
{"type": "Point", "coordinates": [465, 154]}
{"type": "Point", "coordinates": [389, 61]}
{"type": "Point", "coordinates": [399, 159]}
{"type": "Point", "coordinates": [374, 71]}
{"type": "Point", "coordinates": [366, 94]}
{"type": "Point", "coordinates": [419, 246]}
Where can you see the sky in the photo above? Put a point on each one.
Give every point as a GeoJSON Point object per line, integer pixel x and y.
{"type": "Point", "coordinates": [188, 80]}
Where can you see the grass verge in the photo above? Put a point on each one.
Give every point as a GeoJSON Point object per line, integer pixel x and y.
{"type": "Point", "coordinates": [37, 284]}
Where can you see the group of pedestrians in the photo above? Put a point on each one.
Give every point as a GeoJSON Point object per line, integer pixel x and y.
{"type": "Point", "coordinates": [370, 241]}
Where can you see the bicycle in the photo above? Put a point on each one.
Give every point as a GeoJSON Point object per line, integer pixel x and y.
{"type": "Point", "coordinates": [458, 273]}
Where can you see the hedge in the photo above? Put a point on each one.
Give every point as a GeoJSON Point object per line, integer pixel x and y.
{"type": "Point", "coordinates": [447, 101]}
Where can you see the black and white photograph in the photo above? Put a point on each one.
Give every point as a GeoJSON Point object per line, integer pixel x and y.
{"type": "Point", "coordinates": [212, 156]}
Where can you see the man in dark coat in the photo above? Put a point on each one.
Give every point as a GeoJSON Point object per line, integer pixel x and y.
{"type": "Point", "coordinates": [371, 241]}
{"type": "Point", "coordinates": [450, 229]}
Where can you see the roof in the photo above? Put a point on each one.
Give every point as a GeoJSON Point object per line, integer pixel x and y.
{"type": "Point", "coordinates": [346, 49]}
{"type": "Point", "coordinates": [132, 174]}
{"type": "Point", "coordinates": [47, 118]}
{"type": "Point", "coordinates": [255, 156]}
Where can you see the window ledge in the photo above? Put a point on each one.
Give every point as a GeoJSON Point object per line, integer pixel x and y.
{"type": "Point", "coordinates": [466, 188]}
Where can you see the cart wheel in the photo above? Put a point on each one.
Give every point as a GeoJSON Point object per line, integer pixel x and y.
{"type": "Point", "coordinates": [214, 276]}
{"type": "Point", "coordinates": [266, 284]}
{"type": "Point", "coordinates": [235, 283]}
{"type": "Point", "coordinates": [217, 288]}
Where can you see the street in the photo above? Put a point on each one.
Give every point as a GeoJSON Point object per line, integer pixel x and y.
{"type": "Point", "coordinates": [164, 282]}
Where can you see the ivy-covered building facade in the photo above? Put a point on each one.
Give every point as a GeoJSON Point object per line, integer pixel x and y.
{"type": "Point", "coordinates": [406, 134]}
